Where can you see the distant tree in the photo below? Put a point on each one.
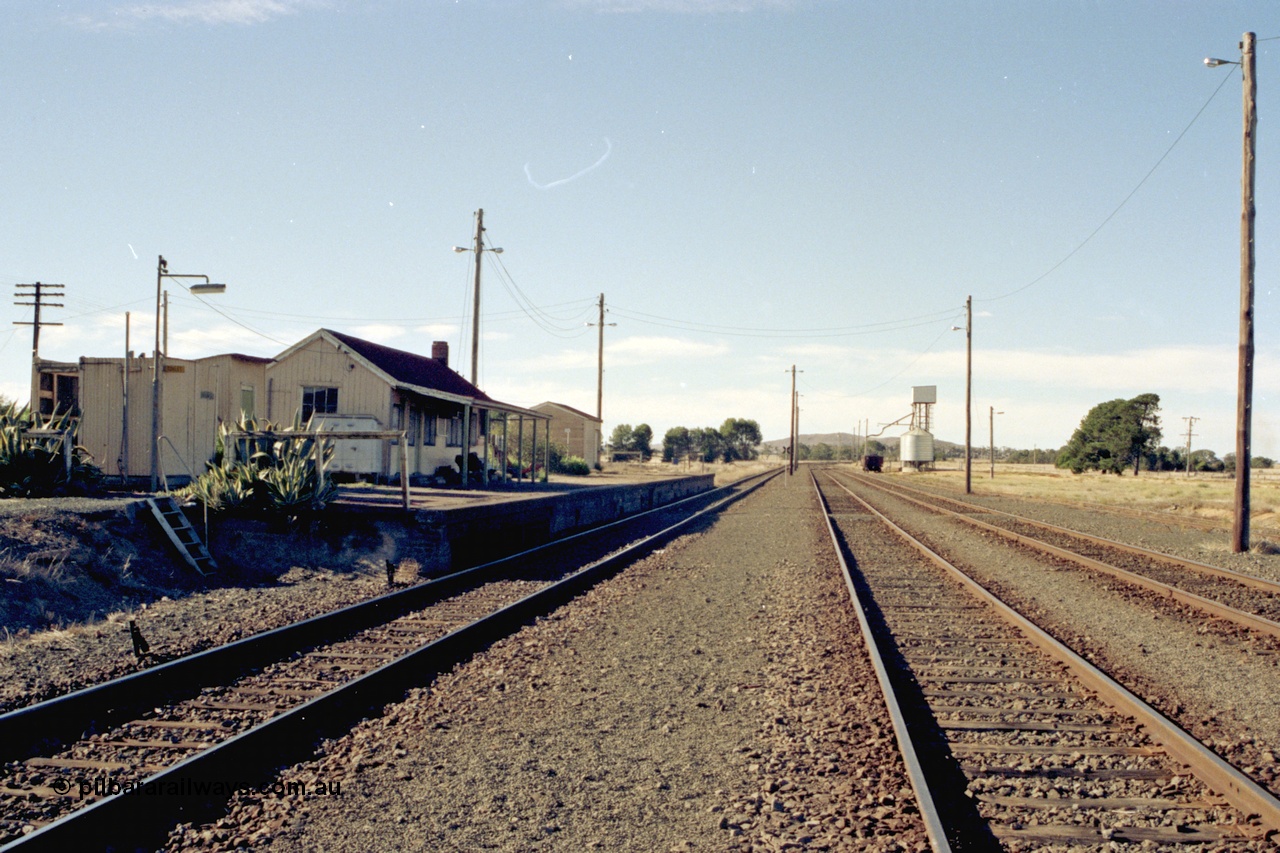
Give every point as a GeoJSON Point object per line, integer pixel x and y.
{"type": "Point", "coordinates": [1114, 435]}
{"type": "Point", "coordinates": [803, 451]}
{"type": "Point", "coordinates": [622, 437]}
{"type": "Point", "coordinates": [707, 443]}
{"type": "Point", "coordinates": [1229, 462]}
{"type": "Point", "coordinates": [676, 444]}
{"type": "Point", "coordinates": [641, 439]}
{"type": "Point", "coordinates": [822, 452]}
{"type": "Point", "coordinates": [1207, 460]}
{"type": "Point", "coordinates": [741, 438]}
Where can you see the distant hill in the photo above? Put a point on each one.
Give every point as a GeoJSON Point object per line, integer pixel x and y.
{"type": "Point", "coordinates": [843, 439]}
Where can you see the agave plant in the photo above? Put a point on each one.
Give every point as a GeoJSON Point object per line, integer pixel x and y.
{"type": "Point", "coordinates": [35, 466]}
{"type": "Point", "coordinates": [273, 470]}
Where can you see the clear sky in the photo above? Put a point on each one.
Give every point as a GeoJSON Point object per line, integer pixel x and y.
{"type": "Point", "coordinates": [751, 183]}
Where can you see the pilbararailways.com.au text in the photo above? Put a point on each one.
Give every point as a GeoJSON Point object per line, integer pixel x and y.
{"type": "Point", "coordinates": [106, 786]}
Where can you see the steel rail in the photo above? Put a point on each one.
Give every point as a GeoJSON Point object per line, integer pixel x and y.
{"type": "Point", "coordinates": [1204, 568]}
{"type": "Point", "coordinates": [915, 772]}
{"type": "Point", "coordinates": [28, 731]}
{"type": "Point", "coordinates": [1214, 608]}
{"type": "Point", "coordinates": [182, 791]}
{"type": "Point", "coordinates": [1238, 789]}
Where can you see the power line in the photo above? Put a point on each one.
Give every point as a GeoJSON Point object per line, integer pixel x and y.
{"type": "Point", "coordinates": [1069, 255]}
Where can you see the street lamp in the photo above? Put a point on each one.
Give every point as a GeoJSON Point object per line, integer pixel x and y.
{"type": "Point", "coordinates": [1244, 385]}
{"type": "Point", "coordinates": [475, 307]}
{"type": "Point", "coordinates": [162, 272]}
{"type": "Point", "coordinates": [992, 417]}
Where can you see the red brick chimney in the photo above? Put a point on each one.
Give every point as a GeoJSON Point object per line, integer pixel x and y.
{"type": "Point", "coordinates": [440, 352]}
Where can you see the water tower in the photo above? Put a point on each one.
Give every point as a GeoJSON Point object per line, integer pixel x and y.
{"type": "Point", "coordinates": [917, 444]}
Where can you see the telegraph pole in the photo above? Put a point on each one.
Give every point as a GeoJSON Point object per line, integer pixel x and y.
{"type": "Point", "coordinates": [793, 421]}
{"type": "Point", "coordinates": [1191, 422]}
{"type": "Point", "coordinates": [1244, 391]}
{"type": "Point", "coordinates": [968, 395]}
{"type": "Point", "coordinates": [37, 294]}
{"type": "Point", "coordinates": [600, 363]}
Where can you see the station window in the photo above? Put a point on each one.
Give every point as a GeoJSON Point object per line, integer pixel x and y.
{"type": "Point", "coordinates": [318, 401]}
{"type": "Point", "coordinates": [429, 420]}
{"type": "Point", "coordinates": [455, 431]}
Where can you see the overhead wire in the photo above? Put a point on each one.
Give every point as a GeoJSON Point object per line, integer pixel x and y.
{"type": "Point", "coordinates": [749, 332]}
{"type": "Point", "coordinates": [1069, 255]}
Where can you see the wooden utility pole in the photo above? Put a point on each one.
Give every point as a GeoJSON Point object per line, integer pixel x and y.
{"type": "Point", "coordinates": [600, 363]}
{"type": "Point", "coordinates": [992, 416]}
{"type": "Point", "coordinates": [475, 304]}
{"type": "Point", "coordinates": [968, 395]}
{"type": "Point", "coordinates": [124, 408]}
{"type": "Point", "coordinates": [37, 294]}
{"type": "Point", "coordinates": [1244, 390]}
{"type": "Point", "coordinates": [791, 421]}
{"type": "Point", "coordinates": [1191, 422]}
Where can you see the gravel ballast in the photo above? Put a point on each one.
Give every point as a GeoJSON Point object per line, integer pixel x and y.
{"type": "Point", "coordinates": [715, 696]}
{"type": "Point", "coordinates": [1216, 680]}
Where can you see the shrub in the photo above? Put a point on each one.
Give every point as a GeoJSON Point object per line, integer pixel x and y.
{"type": "Point", "coordinates": [575, 466]}
{"type": "Point", "coordinates": [34, 466]}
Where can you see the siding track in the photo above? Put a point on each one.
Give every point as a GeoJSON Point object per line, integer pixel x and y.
{"type": "Point", "coordinates": [1246, 600]}
{"type": "Point", "coordinates": [1024, 743]}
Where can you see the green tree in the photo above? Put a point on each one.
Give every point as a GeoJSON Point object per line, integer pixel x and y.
{"type": "Point", "coordinates": [622, 437]}
{"type": "Point", "coordinates": [641, 439]}
{"type": "Point", "coordinates": [1114, 435]}
{"type": "Point", "coordinates": [707, 443]}
{"type": "Point", "coordinates": [676, 444]}
{"type": "Point", "coordinates": [822, 452]}
{"type": "Point", "coordinates": [741, 438]}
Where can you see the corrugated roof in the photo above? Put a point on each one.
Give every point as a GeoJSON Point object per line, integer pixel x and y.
{"type": "Point", "coordinates": [411, 368]}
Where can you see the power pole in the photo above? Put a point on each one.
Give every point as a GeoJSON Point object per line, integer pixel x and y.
{"type": "Point", "coordinates": [1191, 422]}
{"type": "Point", "coordinates": [791, 423]}
{"type": "Point", "coordinates": [37, 294]}
{"type": "Point", "coordinates": [600, 363]}
{"type": "Point", "coordinates": [968, 395]}
{"type": "Point", "coordinates": [1244, 391]}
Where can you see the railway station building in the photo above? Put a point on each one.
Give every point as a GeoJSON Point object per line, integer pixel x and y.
{"type": "Point", "coordinates": [334, 381]}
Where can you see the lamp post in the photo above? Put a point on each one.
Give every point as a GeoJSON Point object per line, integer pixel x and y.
{"type": "Point", "coordinates": [162, 272]}
{"type": "Point", "coordinates": [475, 302]}
{"type": "Point", "coordinates": [1244, 384]}
{"type": "Point", "coordinates": [992, 417]}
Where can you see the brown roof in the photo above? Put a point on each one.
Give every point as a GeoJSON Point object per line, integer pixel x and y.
{"type": "Point", "coordinates": [410, 368]}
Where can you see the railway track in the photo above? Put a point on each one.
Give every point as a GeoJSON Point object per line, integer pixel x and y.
{"type": "Point", "coordinates": [1012, 740]}
{"type": "Point", "coordinates": [120, 763]}
{"type": "Point", "coordinates": [1245, 600]}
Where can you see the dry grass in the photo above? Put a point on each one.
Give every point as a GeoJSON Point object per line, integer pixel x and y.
{"type": "Point", "coordinates": [1209, 496]}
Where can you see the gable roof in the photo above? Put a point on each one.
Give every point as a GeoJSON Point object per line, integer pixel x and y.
{"type": "Point", "coordinates": [409, 368]}
{"type": "Point", "coordinates": [569, 409]}
{"type": "Point", "coordinates": [411, 372]}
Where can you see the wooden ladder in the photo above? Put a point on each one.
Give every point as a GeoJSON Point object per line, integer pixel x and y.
{"type": "Point", "coordinates": [184, 537]}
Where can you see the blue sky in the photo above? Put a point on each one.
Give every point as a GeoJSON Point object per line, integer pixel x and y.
{"type": "Point", "coordinates": [752, 184]}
